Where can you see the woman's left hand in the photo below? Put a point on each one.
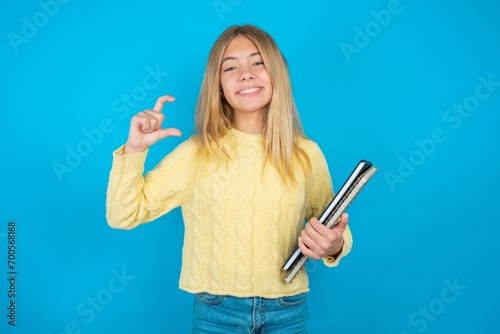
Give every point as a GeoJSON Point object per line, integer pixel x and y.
{"type": "Point", "coordinates": [317, 240]}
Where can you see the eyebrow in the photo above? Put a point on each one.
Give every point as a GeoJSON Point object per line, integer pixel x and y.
{"type": "Point", "coordinates": [233, 58]}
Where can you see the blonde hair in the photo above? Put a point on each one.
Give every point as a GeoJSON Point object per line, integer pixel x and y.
{"type": "Point", "coordinates": [281, 124]}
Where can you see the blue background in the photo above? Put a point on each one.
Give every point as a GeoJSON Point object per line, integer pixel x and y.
{"type": "Point", "coordinates": [426, 228]}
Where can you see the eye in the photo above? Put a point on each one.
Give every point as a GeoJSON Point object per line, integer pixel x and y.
{"type": "Point", "coordinates": [232, 68]}
{"type": "Point", "coordinates": [257, 63]}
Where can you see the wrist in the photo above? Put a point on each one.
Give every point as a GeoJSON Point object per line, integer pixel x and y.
{"type": "Point", "coordinates": [338, 252]}
{"type": "Point", "coordinates": [129, 149]}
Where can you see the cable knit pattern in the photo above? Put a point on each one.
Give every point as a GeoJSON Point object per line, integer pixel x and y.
{"type": "Point", "coordinates": [241, 223]}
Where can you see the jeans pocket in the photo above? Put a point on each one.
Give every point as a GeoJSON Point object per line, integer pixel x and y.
{"type": "Point", "coordinates": [295, 300]}
{"type": "Point", "coordinates": [208, 298]}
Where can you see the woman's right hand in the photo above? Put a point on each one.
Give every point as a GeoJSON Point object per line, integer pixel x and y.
{"type": "Point", "coordinates": [145, 128]}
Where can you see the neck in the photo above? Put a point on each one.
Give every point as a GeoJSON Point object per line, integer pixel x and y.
{"type": "Point", "coordinates": [251, 123]}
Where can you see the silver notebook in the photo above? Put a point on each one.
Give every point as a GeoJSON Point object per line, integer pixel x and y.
{"type": "Point", "coordinates": [331, 216]}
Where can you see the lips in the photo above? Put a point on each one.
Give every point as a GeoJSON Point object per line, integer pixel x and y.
{"type": "Point", "coordinates": [249, 91]}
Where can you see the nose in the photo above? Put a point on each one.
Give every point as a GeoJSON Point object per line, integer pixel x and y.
{"type": "Point", "coordinates": [246, 73]}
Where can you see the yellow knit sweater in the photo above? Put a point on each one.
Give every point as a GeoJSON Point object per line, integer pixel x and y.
{"type": "Point", "coordinates": [241, 222]}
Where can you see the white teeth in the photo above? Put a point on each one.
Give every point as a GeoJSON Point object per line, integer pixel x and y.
{"type": "Point", "coordinates": [249, 91]}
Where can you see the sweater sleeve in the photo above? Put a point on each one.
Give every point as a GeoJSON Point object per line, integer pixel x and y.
{"type": "Point", "coordinates": [321, 195]}
{"type": "Point", "coordinates": [133, 199]}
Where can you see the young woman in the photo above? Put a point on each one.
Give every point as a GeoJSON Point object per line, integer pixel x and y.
{"type": "Point", "coordinates": [247, 180]}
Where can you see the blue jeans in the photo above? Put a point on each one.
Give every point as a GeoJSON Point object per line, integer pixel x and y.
{"type": "Point", "coordinates": [254, 315]}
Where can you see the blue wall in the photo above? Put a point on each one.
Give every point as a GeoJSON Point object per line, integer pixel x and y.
{"type": "Point", "coordinates": [413, 86]}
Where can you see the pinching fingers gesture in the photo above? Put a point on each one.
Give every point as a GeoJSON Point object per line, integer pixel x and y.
{"type": "Point", "coordinates": [146, 127]}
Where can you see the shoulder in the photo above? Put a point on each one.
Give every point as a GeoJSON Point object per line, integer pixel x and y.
{"type": "Point", "coordinates": [185, 152]}
{"type": "Point", "coordinates": [188, 146]}
{"type": "Point", "coordinates": [310, 147]}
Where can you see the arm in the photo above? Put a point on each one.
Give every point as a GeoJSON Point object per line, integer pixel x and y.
{"type": "Point", "coordinates": [316, 240]}
{"type": "Point", "coordinates": [133, 199]}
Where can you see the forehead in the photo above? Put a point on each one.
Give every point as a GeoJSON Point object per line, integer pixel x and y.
{"type": "Point", "coordinates": [240, 46]}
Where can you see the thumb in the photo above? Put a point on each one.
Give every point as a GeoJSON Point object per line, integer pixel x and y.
{"type": "Point", "coordinates": [164, 133]}
{"type": "Point", "coordinates": [344, 219]}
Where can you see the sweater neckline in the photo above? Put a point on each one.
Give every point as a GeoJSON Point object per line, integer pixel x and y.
{"type": "Point", "coordinates": [244, 135]}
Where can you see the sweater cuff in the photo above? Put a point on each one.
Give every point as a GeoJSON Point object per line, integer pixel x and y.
{"type": "Point", "coordinates": [331, 261]}
{"type": "Point", "coordinates": [129, 163]}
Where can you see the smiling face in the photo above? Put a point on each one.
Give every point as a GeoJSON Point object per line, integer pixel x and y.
{"type": "Point", "coordinates": [246, 84]}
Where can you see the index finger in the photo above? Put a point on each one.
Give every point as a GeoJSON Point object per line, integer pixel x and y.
{"type": "Point", "coordinates": [161, 102]}
{"type": "Point", "coordinates": [317, 226]}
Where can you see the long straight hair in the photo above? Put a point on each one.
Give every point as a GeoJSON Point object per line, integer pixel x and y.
{"type": "Point", "coordinates": [282, 128]}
